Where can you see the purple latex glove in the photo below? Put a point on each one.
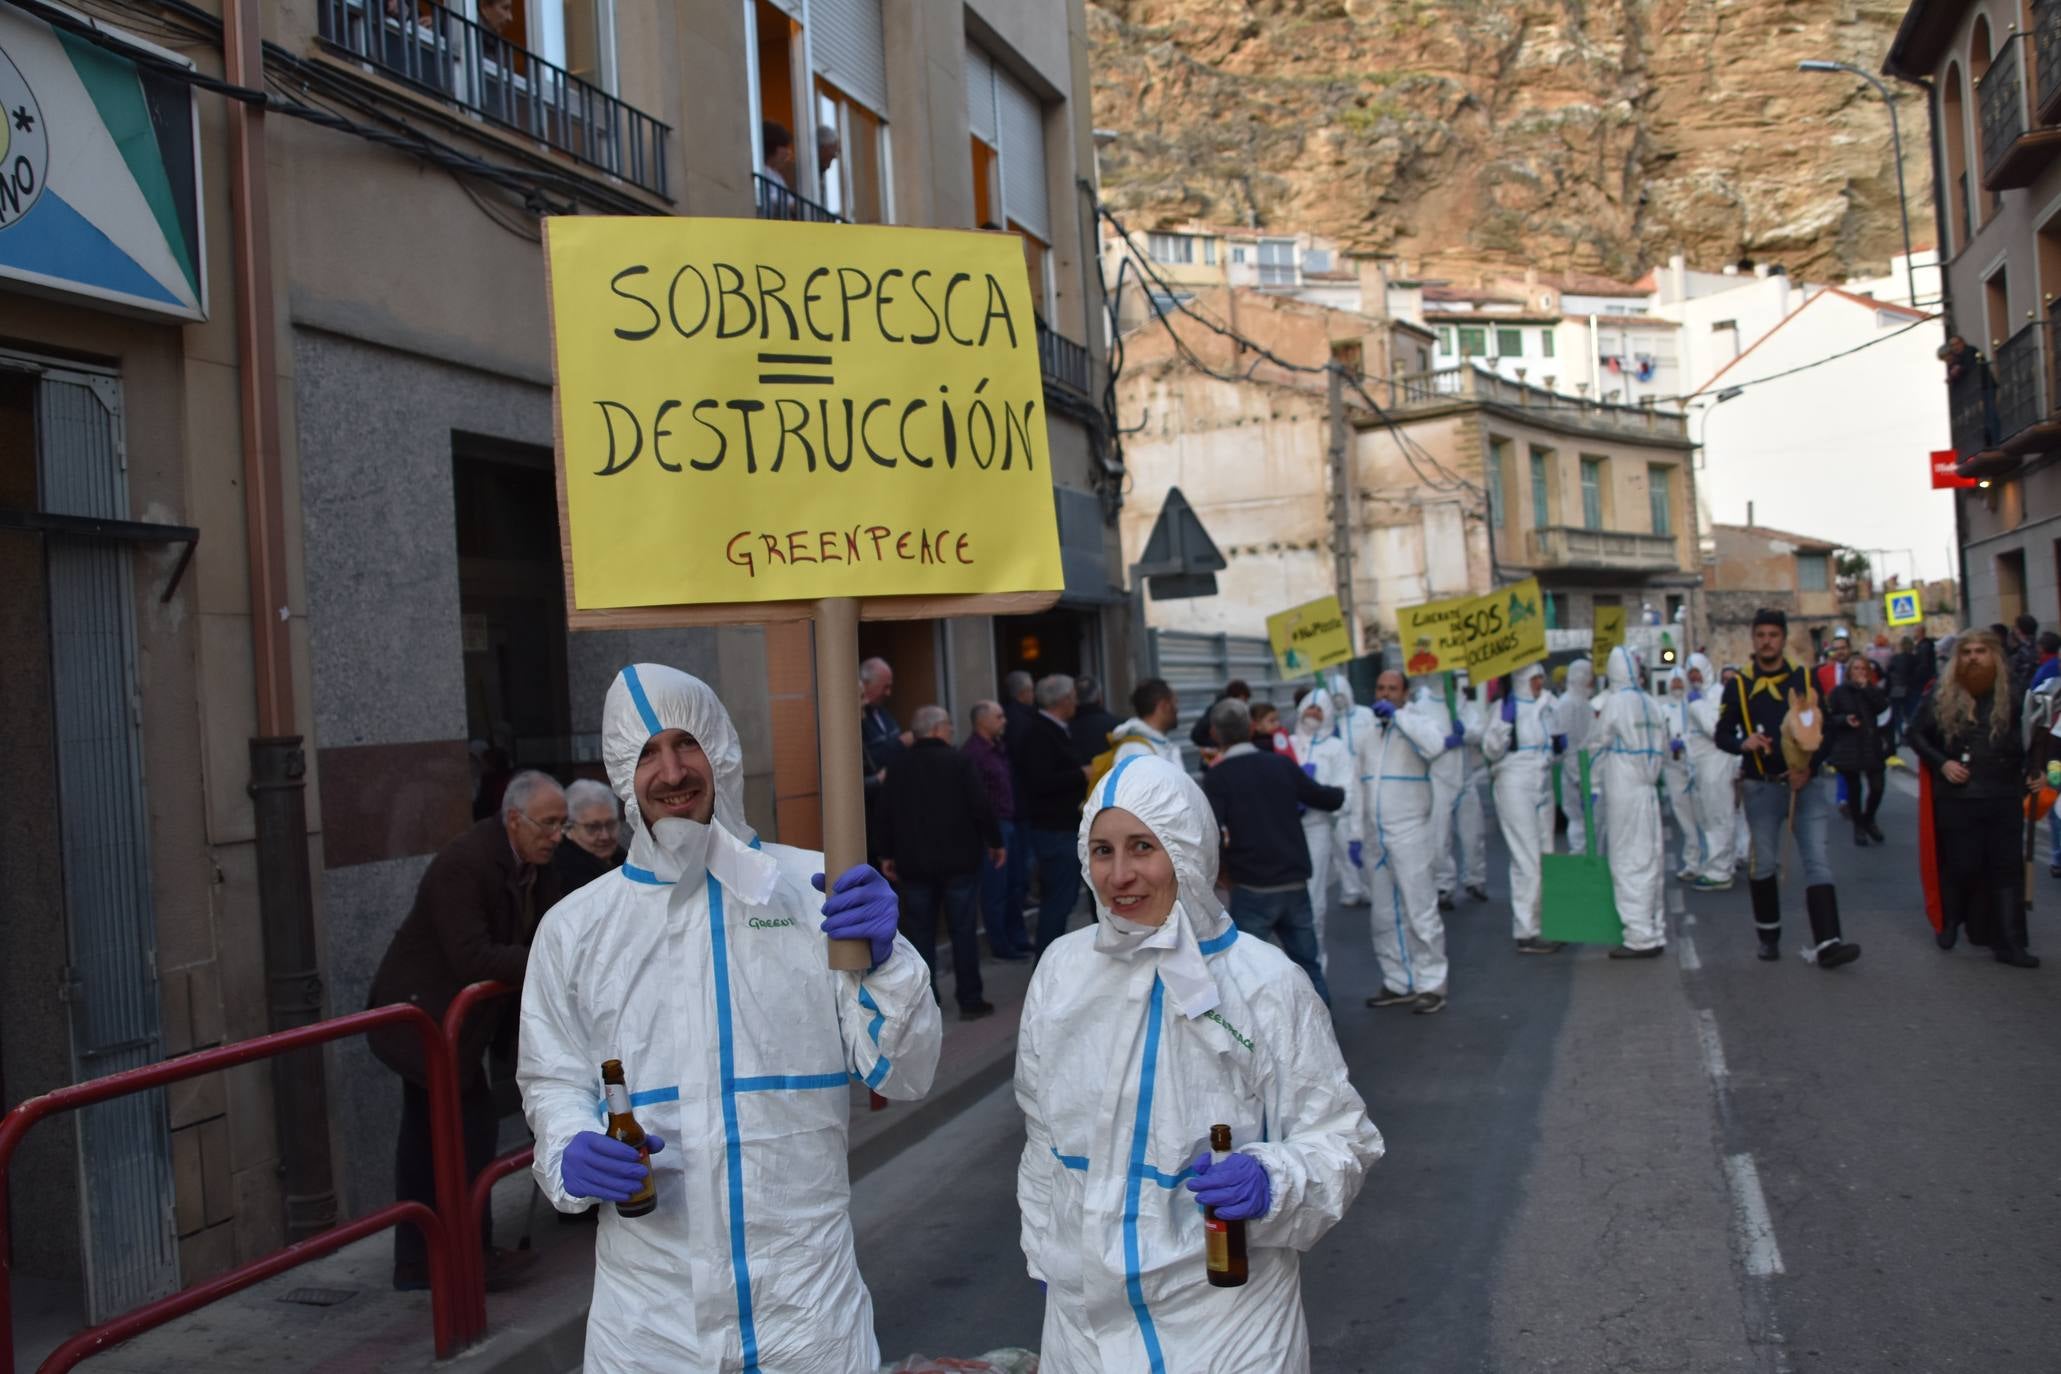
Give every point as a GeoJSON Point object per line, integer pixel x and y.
{"type": "Point", "coordinates": [1457, 738]}
{"type": "Point", "coordinates": [1355, 851]}
{"type": "Point", "coordinates": [1510, 709]}
{"type": "Point", "coordinates": [1309, 770]}
{"type": "Point", "coordinates": [1675, 745]}
{"type": "Point", "coordinates": [1559, 744]}
{"type": "Point", "coordinates": [1695, 694]}
{"type": "Point", "coordinates": [1238, 1188]}
{"type": "Point", "coordinates": [596, 1166]}
{"type": "Point", "coordinates": [863, 907]}
{"type": "Point", "coordinates": [1384, 709]}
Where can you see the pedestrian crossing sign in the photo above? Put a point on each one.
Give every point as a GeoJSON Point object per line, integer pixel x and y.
{"type": "Point", "coordinates": [1901, 608]}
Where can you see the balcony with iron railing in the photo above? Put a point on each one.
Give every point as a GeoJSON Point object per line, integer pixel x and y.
{"type": "Point", "coordinates": [776, 200]}
{"type": "Point", "coordinates": [2016, 144]}
{"type": "Point", "coordinates": [441, 53]}
{"type": "Point", "coordinates": [1065, 363]}
{"type": "Point", "coordinates": [1972, 412]}
{"type": "Point", "coordinates": [2046, 58]}
{"type": "Point", "coordinates": [1574, 547]}
{"type": "Point", "coordinates": [1466, 382]}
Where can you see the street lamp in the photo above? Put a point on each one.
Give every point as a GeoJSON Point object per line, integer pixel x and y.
{"type": "Point", "coordinates": [1703, 422]}
{"type": "Point", "coordinates": [1896, 144]}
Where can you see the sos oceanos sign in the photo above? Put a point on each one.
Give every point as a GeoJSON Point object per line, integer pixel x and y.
{"type": "Point", "coordinates": [99, 172]}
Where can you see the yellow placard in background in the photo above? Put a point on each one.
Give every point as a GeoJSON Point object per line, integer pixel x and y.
{"type": "Point", "coordinates": [767, 411]}
{"type": "Point", "coordinates": [1310, 638]}
{"type": "Point", "coordinates": [1609, 635]}
{"type": "Point", "coordinates": [1903, 608]}
{"type": "Point", "coordinates": [1488, 635]}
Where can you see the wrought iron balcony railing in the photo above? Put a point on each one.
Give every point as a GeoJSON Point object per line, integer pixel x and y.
{"type": "Point", "coordinates": [2021, 399]}
{"type": "Point", "coordinates": [777, 201]}
{"type": "Point", "coordinates": [2016, 147]}
{"type": "Point", "coordinates": [438, 51]}
{"type": "Point", "coordinates": [1064, 362]}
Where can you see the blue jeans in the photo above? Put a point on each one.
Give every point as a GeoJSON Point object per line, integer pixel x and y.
{"type": "Point", "coordinates": [1767, 815]}
{"type": "Point", "coordinates": [1001, 893]}
{"type": "Point", "coordinates": [959, 898]}
{"type": "Point", "coordinates": [1285, 916]}
{"type": "Point", "coordinates": [1059, 881]}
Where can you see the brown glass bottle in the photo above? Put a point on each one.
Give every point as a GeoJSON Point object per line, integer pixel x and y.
{"type": "Point", "coordinates": [623, 1126]}
{"type": "Point", "coordinates": [1224, 1241]}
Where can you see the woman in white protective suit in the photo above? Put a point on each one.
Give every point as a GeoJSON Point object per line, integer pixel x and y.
{"type": "Point", "coordinates": [1716, 773]}
{"type": "Point", "coordinates": [701, 965]}
{"type": "Point", "coordinates": [1325, 757]}
{"type": "Point", "coordinates": [1677, 779]}
{"type": "Point", "coordinates": [1519, 748]}
{"type": "Point", "coordinates": [1394, 764]}
{"type": "Point", "coordinates": [1139, 1033]}
{"type": "Point", "coordinates": [1577, 722]}
{"type": "Point", "coordinates": [1630, 741]}
{"type": "Point", "coordinates": [1354, 723]}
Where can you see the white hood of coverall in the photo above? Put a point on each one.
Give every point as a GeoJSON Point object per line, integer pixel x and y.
{"type": "Point", "coordinates": [1619, 673]}
{"type": "Point", "coordinates": [1174, 809]}
{"type": "Point", "coordinates": [1318, 700]}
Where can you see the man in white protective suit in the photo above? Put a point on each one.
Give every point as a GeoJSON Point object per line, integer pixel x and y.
{"type": "Point", "coordinates": [1323, 755]}
{"type": "Point", "coordinates": [1138, 1034]}
{"type": "Point", "coordinates": [1716, 774]}
{"type": "Point", "coordinates": [1677, 779]}
{"type": "Point", "coordinates": [1353, 722]}
{"type": "Point", "coordinates": [1462, 859]}
{"type": "Point", "coordinates": [1630, 743]}
{"type": "Point", "coordinates": [1519, 747]}
{"type": "Point", "coordinates": [701, 965]}
{"type": "Point", "coordinates": [1394, 768]}
{"type": "Point", "coordinates": [1577, 722]}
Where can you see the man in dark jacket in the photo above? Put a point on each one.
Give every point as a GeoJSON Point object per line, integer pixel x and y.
{"type": "Point", "coordinates": [1001, 898]}
{"type": "Point", "coordinates": [937, 831]}
{"type": "Point", "coordinates": [474, 914]}
{"type": "Point", "coordinates": [1255, 795]}
{"type": "Point", "coordinates": [1052, 782]}
{"type": "Point", "coordinates": [2025, 654]}
{"type": "Point", "coordinates": [1094, 720]}
{"type": "Point", "coordinates": [1780, 794]}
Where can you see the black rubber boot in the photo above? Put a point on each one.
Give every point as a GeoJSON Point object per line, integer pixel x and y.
{"type": "Point", "coordinates": [1952, 914]}
{"type": "Point", "coordinates": [1767, 915]}
{"type": "Point", "coordinates": [2009, 944]}
{"type": "Point", "coordinates": [1822, 901]}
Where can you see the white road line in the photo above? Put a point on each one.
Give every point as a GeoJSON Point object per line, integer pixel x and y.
{"type": "Point", "coordinates": [1688, 919]}
{"type": "Point", "coordinates": [1756, 1227]}
{"type": "Point", "coordinates": [1713, 1049]}
{"type": "Point", "coordinates": [1685, 955]}
{"type": "Point", "coordinates": [1674, 900]}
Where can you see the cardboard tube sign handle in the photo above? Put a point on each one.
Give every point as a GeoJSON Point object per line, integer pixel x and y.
{"type": "Point", "coordinates": [843, 759]}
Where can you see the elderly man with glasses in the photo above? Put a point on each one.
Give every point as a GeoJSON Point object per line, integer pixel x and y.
{"type": "Point", "coordinates": [475, 913]}
{"type": "Point", "coordinates": [593, 840]}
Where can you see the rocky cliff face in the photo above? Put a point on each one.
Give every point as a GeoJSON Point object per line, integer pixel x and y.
{"type": "Point", "coordinates": [1592, 134]}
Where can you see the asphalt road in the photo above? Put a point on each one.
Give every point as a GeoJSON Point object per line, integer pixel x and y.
{"type": "Point", "coordinates": [1696, 1163]}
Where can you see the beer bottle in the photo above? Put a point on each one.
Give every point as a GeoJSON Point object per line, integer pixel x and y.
{"type": "Point", "coordinates": [623, 1126]}
{"type": "Point", "coordinates": [1224, 1240]}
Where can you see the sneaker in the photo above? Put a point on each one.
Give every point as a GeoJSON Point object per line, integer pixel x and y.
{"type": "Point", "coordinates": [1844, 952]}
{"type": "Point", "coordinates": [1389, 997]}
{"type": "Point", "coordinates": [1532, 944]}
{"type": "Point", "coordinates": [1770, 951]}
{"type": "Point", "coordinates": [1445, 901]}
{"type": "Point", "coordinates": [1430, 1004]}
{"type": "Point", "coordinates": [1703, 884]}
{"type": "Point", "coordinates": [1478, 891]}
{"type": "Point", "coordinates": [1687, 875]}
{"type": "Point", "coordinates": [507, 1268]}
{"type": "Point", "coordinates": [976, 1011]}
{"type": "Point", "coordinates": [1627, 952]}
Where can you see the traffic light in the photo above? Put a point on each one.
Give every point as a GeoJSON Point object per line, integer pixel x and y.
{"type": "Point", "coordinates": [1667, 650]}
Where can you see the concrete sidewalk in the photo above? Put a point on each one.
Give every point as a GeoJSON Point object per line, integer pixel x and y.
{"type": "Point", "coordinates": [340, 1315]}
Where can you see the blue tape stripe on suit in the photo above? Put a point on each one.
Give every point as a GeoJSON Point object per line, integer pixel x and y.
{"type": "Point", "coordinates": [790, 1082]}
{"type": "Point", "coordinates": [638, 699]}
{"type": "Point", "coordinates": [1109, 788]}
{"type": "Point", "coordinates": [642, 875]}
{"type": "Point", "coordinates": [1141, 1127]}
{"type": "Point", "coordinates": [1220, 942]}
{"type": "Point", "coordinates": [733, 1141]}
{"type": "Point", "coordinates": [882, 1064]}
{"type": "Point", "coordinates": [1070, 1161]}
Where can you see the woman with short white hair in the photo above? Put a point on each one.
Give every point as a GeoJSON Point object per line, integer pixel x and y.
{"type": "Point", "coordinates": [593, 834]}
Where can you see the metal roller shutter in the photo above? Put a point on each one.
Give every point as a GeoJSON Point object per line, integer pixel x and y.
{"type": "Point", "coordinates": [980, 96]}
{"type": "Point", "coordinates": [849, 45]}
{"type": "Point", "coordinates": [1023, 156]}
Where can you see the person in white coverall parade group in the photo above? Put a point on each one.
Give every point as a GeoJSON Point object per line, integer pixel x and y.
{"type": "Point", "coordinates": [701, 965]}
{"type": "Point", "coordinates": [1717, 775]}
{"type": "Point", "coordinates": [1352, 723]}
{"type": "Point", "coordinates": [1577, 722]}
{"type": "Point", "coordinates": [1630, 741]}
{"type": "Point", "coordinates": [1462, 858]}
{"type": "Point", "coordinates": [1324, 756]}
{"type": "Point", "coordinates": [1677, 779]}
{"type": "Point", "coordinates": [1138, 1034]}
{"type": "Point", "coordinates": [1394, 769]}
{"type": "Point", "coordinates": [1519, 748]}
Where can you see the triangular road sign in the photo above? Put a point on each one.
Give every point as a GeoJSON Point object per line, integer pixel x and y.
{"type": "Point", "coordinates": [1179, 546]}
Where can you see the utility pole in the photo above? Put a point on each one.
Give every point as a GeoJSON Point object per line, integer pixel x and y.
{"type": "Point", "coordinates": [1342, 505]}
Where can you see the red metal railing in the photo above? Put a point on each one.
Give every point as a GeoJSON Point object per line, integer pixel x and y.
{"type": "Point", "coordinates": [470, 1270]}
{"type": "Point", "coordinates": [456, 1319]}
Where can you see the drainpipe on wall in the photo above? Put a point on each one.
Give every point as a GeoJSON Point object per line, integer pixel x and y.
{"type": "Point", "coordinates": [278, 763]}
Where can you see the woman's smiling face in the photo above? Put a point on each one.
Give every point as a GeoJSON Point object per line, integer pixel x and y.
{"type": "Point", "coordinates": [1132, 873]}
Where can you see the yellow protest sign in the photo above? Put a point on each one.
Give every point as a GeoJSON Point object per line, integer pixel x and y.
{"type": "Point", "coordinates": [1609, 634]}
{"type": "Point", "coordinates": [1310, 637]}
{"type": "Point", "coordinates": [1488, 635]}
{"type": "Point", "coordinates": [754, 411]}
{"type": "Point", "coordinates": [1902, 608]}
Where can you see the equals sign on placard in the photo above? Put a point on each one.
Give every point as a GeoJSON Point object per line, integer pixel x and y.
{"type": "Point", "coordinates": [781, 377]}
